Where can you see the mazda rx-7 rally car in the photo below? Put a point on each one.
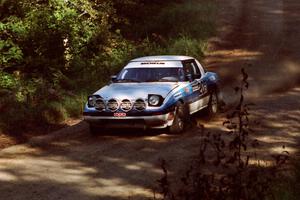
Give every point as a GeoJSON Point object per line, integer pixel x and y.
{"type": "Point", "coordinates": [154, 92]}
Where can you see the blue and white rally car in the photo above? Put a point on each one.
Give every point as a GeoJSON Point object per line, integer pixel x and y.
{"type": "Point", "coordinates": [154, 92]}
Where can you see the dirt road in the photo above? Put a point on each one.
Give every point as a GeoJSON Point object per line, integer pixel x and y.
{"type": "Point", "coordinates": [259, 35]}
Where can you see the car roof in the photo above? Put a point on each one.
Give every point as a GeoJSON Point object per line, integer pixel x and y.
{"type": "Point", "coordinates": [162, 58]}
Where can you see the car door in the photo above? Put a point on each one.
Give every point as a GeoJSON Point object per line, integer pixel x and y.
{"type": "Point", "coordinates": [198, 99]}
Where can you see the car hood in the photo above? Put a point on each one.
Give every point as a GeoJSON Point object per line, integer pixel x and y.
{"type": "Point", "coordinates": [135, 90]}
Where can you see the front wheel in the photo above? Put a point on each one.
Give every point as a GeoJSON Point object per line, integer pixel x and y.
{"type": "Point", "coordinates": [179, 124]}
{"type": "Point", "coordinates": [213, 105]}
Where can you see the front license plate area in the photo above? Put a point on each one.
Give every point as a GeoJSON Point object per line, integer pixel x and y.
{"type": "Point", "coordinates": [118, 114]}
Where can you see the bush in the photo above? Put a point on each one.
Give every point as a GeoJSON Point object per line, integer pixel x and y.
{"type": "Point", "coordinates": [54, 113]}
{"type": "Point", "coordinates": [49, 48]}
{"type": "Point", "coordinates": [187, 46]}
{"type": "Point", "coordinates": [74, 105]}
{"type": "Point", "coordinates": [17, 116]}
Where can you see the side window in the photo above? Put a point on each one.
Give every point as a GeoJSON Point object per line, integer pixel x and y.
{"type": "Point", "coordinates": [196, 69]}
{"type": "Point", "coordinates": [191, 68]}
{"type": "Point", "coordinates": [200, 67]}
{"type": "Point", "coordinates": [188, 69]}
{"type": "Point", "coordinates": [181, 74]}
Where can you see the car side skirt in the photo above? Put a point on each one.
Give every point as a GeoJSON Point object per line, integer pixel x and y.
{"type": "Point", "coordinates": [198, 105]}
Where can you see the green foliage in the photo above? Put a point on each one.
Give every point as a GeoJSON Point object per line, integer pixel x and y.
{"type": "Point", "coordinates": [188, 46]}
{"type": "Point", "coordinates": [7, 81]}
{"type": "Point", "coordinates": [10, 52]}
{"type": "Point", "coordinates": [74, 105]}
{"type": "Point", "coordinates": [50, 48]}
{"type": "Point", "coordinates": [54, 112]}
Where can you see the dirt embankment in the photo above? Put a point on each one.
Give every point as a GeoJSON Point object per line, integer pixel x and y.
{"type": "Point", "coordinates": [261, 36]}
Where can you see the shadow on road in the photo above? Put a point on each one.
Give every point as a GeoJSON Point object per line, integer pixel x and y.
{"type": "Point", "coordinates": [262, 37]}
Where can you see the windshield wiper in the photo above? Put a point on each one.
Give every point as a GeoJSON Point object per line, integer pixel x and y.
{"type": "Point", "coordinates": [128, 80]}
{"type": "Point", "coordinates": [168, 79]}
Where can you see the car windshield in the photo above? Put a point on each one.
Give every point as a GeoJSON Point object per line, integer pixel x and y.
{"type": "Point", "coordinates": [171, 74]}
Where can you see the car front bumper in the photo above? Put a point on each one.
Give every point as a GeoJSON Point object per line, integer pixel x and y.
{"type": "Point", "coordinates": [154, 121]}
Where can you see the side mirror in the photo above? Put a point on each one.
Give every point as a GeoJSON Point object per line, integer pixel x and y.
{"type": "Point", "coordinates": [113, 78]}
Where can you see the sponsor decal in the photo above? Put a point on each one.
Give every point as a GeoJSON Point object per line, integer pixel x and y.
{"type": "Point", "coordinates": [203, 88]}
{"type": "Point", "coordinates": [119, 114]}
{"type": "Point", "coordinates": [152, 63]}
{"type": "Point", "coordinates": [178, 95]}
{"type": "Point", "coordinates": [187, 90]}
{"type": "Point", "coordinates": [196, 87]}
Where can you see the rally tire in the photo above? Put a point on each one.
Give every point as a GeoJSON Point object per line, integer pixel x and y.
{"type": "Point", "coordinates": [213, 105]}
{"type": "Point", "coordinates": [180, 119]}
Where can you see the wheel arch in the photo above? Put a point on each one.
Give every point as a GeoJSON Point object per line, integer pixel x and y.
{"type": "Point", "coordinates": [180, 101]}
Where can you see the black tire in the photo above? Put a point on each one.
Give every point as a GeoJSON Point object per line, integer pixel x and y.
{"type": "Point", "coordinates": [181, 117]}
{"type": "Point", "coordinates": [213, 105]}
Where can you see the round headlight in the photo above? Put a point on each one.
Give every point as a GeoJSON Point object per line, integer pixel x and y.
{"type": "Point", "coordinates": [92, 101]}
{"type": "Point", "coordinates": [154, 100]}
{"type": "Point", "coordinates": [139, 105]}
{"type": "Point", "coordinates": [99, 104]}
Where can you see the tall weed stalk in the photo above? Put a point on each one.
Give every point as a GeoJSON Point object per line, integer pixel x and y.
{"type": "Point", "coordinates": [231, 174]}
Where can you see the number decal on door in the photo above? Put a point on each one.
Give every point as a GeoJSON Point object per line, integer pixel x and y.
{"type": "Point", "coordinates": [203, 88]}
